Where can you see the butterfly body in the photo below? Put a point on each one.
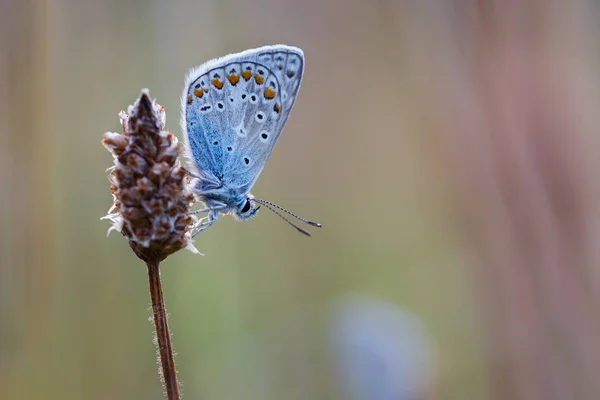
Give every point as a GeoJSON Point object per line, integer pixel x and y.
{"type": "Point", "coordinates": [233, 111]}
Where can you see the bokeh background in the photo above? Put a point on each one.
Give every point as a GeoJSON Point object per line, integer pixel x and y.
{"type": "Point", "coordinates": [448, 147]}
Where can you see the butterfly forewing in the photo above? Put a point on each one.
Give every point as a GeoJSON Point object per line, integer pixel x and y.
{"type": "Point", "coordinates": [235, 108]}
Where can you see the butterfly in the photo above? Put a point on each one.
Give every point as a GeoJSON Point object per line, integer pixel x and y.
{"type": "Point", "coordinates": [233, 111]}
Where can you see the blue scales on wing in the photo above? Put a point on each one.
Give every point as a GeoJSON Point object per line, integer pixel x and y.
{"type": "Point", "coordinates": [234, 109]}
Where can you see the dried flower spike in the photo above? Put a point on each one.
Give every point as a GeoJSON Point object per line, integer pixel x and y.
{"type": "Point", "coordinates": [148, 183]}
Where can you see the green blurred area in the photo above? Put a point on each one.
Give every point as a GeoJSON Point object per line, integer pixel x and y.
{"type": "Point", "coordinates": [360, 154]}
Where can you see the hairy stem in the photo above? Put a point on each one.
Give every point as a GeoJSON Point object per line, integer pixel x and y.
{"type": "Point", "coordinates": [163, 336]}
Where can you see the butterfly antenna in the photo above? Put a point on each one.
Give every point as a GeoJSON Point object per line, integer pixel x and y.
{"type": "Point", "coordinates": [307, 233]}
{"type": "Point", "coordinates": [268, 203]}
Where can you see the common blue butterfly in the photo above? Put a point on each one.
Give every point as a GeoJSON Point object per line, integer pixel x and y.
{"type": "Point", "coordinates": [233, 111]}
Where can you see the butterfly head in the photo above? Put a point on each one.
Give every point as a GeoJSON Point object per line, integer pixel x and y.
{"type": "Point", "coordinates": [245, 209]}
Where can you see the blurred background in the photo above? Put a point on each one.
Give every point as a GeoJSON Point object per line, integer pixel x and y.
{"type": "Point", "coordinates": [448, 147]}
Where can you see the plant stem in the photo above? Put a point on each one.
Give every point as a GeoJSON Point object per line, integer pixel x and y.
{"type": "Point", "coordinates": [163, 336]}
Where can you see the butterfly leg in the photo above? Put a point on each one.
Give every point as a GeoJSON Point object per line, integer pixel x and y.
{"type": "Point", "coordinates": [213, 216]}
{"type": "Point", "coordinates": [199, 211]}
{"type": "Point", "coordinates": [219, 206]}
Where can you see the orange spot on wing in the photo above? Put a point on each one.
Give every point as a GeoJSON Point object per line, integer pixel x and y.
{"type": "Point", "coordinates": [217, 83]}
{"type": "Point", "coordinates": [233, 79]}
{"type": "Point", "coordinates": [269, 93]}
{"type": "Point", "coordinates": [246, 75]}
{"type": "Point", "coordinates": [190, 99]}
{"type": "Point", "coordinates": [205, 90]}
{"type": "Point", "coordinates": [198, 92]}
{"type": "Point", "coordinates": [276, 107]}
{"type": "Point", "coordinates": [259, 79]}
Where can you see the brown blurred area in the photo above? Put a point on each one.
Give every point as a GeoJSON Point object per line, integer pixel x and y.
{"type": "Point", "coordinates": [448, 148]}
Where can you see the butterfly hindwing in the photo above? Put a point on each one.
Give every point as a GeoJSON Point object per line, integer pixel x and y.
{"type": "Point", "coordinates": [234, 110]}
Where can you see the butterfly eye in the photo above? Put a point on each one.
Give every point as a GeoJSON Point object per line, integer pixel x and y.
{"type": "Point", "coordinates": [246, 207]}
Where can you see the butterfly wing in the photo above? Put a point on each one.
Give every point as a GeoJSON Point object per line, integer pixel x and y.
{"type": "Point", "coordinates": [234, 109]}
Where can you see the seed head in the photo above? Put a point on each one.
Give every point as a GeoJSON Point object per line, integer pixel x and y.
{"type": "Point", "coordinates": [149, 186]}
